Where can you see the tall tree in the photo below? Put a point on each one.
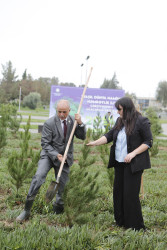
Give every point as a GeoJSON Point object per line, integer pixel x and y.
{"type": "Point", "coordinates": [110, 84]}
{"type": "Point", "coordinates": [161, 93]}
{"type": "Point", "coordinates": [24, 76]}
{"type": "Point", "coordinates": [9, 74]}
{"type": "Point", "coordinates": [9, 84]}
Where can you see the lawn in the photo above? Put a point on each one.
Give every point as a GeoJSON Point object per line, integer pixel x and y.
{"type": "Point", "coordinates": [86, 223]}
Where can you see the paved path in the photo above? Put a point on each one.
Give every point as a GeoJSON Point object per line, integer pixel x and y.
{"type": "Point", "coordinates": [164, 131]}
{"type": "Point", "coordinates": [164, 128]}
{"type": "Point", "coordinates": [35, 117]}
{"type": "Point", "coordinates": [33, 123]}
{"type": "Point", "coordinates": [33, 131]}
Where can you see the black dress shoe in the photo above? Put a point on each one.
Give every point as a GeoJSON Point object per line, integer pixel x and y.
{"type": "Point", "coordinates": [58, 209]}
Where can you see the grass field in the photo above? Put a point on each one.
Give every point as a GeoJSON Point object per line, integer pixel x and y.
{"type": "Point", "coordinates": [96, 228]}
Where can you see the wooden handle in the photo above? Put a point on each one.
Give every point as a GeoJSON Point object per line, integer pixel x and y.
{"type": "Point", "coordinates": [73, 129]}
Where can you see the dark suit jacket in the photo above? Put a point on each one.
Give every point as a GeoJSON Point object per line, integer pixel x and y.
{"type": "Point", "coordinates": [141, 134]}
{"type": "Point", "coordinates": [53, 142]}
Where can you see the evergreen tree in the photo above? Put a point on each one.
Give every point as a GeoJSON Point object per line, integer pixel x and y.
{"type": "Point", "coordinates": [3, 138]}
{"type": "Point", "coordinates": [9, 117]}
{"type": "Point", "coordinates": [81, 189]}
{"type": "Point", "coordinates": [104, 154]}
{"type": "Point", "coordinates": [8, 73]}
{"type": "Point", "coordinates": [155, 129]}
{"type": "Point", "coordinates": [9, 84]}
{"type": "Point", "coordinates": [15, 120]}
{"type": "Point", "coordinates": [21, 165]}
{"type": "Point", "coordinates": [24, 76]}
{"type": "Point", "coordinates": [97, 127]}
{"type": "Point", "coordinates": [4, 121]}
{"type": "Point", "coordinates": [110, 84]}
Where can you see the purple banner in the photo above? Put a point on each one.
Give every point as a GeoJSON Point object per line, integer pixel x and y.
{"type": "Point", "coordinates": [95, 100]}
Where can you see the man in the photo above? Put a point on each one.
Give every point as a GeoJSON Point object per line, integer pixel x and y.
{"type": "Point", "coordinates": [55, 135]}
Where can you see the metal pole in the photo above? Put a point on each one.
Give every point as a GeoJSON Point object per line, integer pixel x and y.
{"type": "Point", "coordinates": [86, 66]}
{"type": "Point", "coordinates": [81, 73]}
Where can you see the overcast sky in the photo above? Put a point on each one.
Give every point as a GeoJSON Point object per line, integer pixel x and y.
{"type": "Point", "coordinates": [54, 37]}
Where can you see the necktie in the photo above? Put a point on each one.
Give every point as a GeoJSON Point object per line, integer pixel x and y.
{"type": "Point", "coordinates": [65, 128]}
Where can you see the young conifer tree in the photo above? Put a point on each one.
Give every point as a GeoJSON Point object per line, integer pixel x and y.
{"type": "Point", "coordinates": [14, 120]}
{"type": "Point", "coordinates": [3, 138]}
{"type": "Point", "coordinates": [155, 129]}
{"type": "Point", "coordinates": [4, 117]}
{"type": "Point", "coordinates": [22, 164]}
{"type": "Point", "coordinates": [82, 187]}
{"type": "Point", "coordinates": [104, 149]}
{"type": "Point", "coordinates": [105, 154]}
{"type": "Point", "coordinates": [8, 119]}
{"type": "Point", "coordinates": [97, 127]}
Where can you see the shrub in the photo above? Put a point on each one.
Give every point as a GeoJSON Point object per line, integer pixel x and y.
{"type": "Point", "coordinates": [155, 128]}
{"type": "Point", "coordinates": [32, 100]}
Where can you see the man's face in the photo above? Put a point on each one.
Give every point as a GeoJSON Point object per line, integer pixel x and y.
{"type": "Point", "coordinates": [63, 110]}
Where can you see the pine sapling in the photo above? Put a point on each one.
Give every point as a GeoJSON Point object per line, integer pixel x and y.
{"type": "Point", "coordinates": [21, 165]}
{"type": "Point", "coordinates": [97, 127]}
{"type": "Point", "coordinates": [81, 189]}
{"type": "Point", "coordinates": [104, 154]}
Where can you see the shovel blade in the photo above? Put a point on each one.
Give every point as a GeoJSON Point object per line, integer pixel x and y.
{"type": "Point", "coordinates": [51, 192]}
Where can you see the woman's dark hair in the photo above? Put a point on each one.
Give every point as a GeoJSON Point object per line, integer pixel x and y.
{"type": "Point", "coordinates": [129, 114]}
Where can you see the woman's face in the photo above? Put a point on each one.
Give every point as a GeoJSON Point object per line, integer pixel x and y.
{"type": "Point", "coordinates": [120, 111]}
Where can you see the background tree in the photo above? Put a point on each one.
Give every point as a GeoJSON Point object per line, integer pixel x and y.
{"type": "Point", "coordinates": [9, 82]}
{"type": "Point", "coordinates": [68, 84]}
{"type": "Point", "coordinates": [32, 100]}
{"type": "Point", "coordinates": [110, 84]}
{"type": "Point", "coordinates": [24, 76]}
{"type": "Point", "coordinates": [155, 129]}
{"type": "Point", "coordinates": [131, 95]}
{"type": "Point", "coordinates": [9, 74]}
{"type": "Point", "coordinates": [161, 93]}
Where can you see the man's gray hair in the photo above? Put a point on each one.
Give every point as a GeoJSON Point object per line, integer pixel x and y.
{"type": "Point", "coordinates": [63, 101]}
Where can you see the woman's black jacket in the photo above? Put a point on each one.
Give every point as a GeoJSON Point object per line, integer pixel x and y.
{"type": "Point", "coordinates": [141, 134]}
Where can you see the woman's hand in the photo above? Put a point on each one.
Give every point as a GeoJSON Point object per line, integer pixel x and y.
{"type": "Point", "coordinates": [137, 151]}
{"type": "Point", "coordinates": [129, 157]}
{"type": "Point", "coordinates": [98, 142]}
{"type": "Point", "coordinates": [91, 143]}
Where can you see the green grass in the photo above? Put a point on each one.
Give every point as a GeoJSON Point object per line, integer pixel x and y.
{"type": "Point", "coordinates": [34, 120]}
{"type": "Point", "coordinates": [45, 230]}
{"type": "Point", "coordinates": [163, 121]}
{"type": "Point", "coordinates": [162, 135]}
{"type": "Point", "coordinates": [38, 112]}
{"type": "Point", "coordinates": [31, 126]}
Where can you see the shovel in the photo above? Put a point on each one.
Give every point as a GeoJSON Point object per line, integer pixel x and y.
{"type": "Point", "coordinates": [53, 188]}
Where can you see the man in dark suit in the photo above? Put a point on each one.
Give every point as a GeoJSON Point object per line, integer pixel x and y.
{"type": "Point", "coordinates": [55, 135]}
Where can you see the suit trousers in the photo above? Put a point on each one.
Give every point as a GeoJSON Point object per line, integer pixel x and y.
{"type": "Point", "coordinates": [44, 166]}
{"type": "Point", "coordinates": [127, 207]}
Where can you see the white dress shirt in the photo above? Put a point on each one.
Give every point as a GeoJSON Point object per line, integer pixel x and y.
{"type": "Point", "coordinates": [121, 146]}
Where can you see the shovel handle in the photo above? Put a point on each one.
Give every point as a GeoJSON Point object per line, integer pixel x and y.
{"type": "Point", "coordinates": [73, 129]}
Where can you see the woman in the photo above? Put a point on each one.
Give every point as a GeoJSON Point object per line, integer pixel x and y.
{"type": "Point", "coordinates": [131, 136]}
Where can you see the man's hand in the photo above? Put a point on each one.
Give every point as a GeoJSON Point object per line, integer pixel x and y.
{"type": "Point", "coordinates": [60, 158]}
{"type": "Point", "coordinates": [78, 119]}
